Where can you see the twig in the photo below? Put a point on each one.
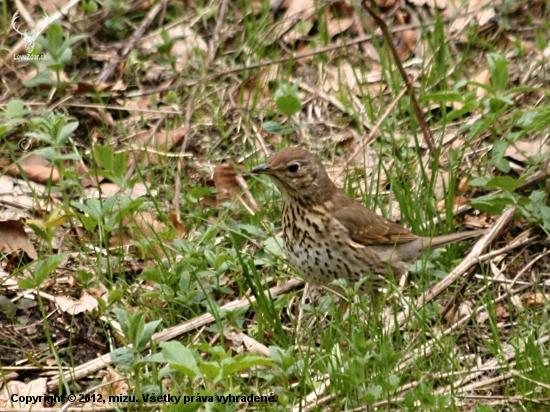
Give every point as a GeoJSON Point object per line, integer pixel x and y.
{"type": "Point", "coordinates": [264, 63]}
{"type": "Point", "coordinates": [417, 111]}
{"type": "Point", "coordinates": [472, 259]}
{"type": "Point", "coordinates": [168, 334]}
{"type": "Point", "coordinates": [136, 35]}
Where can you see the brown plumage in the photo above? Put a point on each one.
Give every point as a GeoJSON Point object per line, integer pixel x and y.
{"type": "Point", "coordinates": [328, 235]}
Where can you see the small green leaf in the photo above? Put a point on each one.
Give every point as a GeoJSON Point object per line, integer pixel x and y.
{"type": "Point", "coordinates": [499, 148]}
{"type": "Point", "coordinates": [506, 183]}
{"type": "Point", "coordinates": [273, 128]}
{"type": "Point", "coordinates": [181, 359]}
{"type": "Point", "coordinates": [66, 132]}
{"type": "Point", "coordinates": [373, 393]}
{"type": "Point", "coordinates": [493, 203]}
{"type": "Point", "coordinates": [44, 268]}
{"type": "Point", "coordinates": [498, 68]}
{"type": "Point", "coordinates": [211, 370]}
{"type": "Point", "coordinates": [146, 334]}
{"type": "Point", "coordinates": [123, 357]}
{"type": "Point", "coordinates": [241, 362]}
{"type": "Point", "coordinates": [26, 283]}
{"type": "Point", "coordinates": [103, 155]}
{"type": "Point", "coordinates": [289, 105]}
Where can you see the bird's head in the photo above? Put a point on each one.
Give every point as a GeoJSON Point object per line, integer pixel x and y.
{"type": "Point", "coordinates": [299, 174]}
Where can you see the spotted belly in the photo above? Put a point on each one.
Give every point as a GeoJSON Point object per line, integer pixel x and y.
{"type": "Point", "coordinates": [321, 251]}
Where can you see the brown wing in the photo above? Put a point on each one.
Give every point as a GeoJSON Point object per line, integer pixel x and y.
{"type": "Point", "coordinates": [366, 227]}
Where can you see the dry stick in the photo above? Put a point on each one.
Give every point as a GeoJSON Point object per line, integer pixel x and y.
{"type": "Point", "coordinates": [484, 369]}
{"type": "Point", "coordinates": [168, 334]}
{"type": "Point", "coordinates": [238, 69]}
{"type": "Point", "coordinates": [136, 35]}
{"type": "Point", "coordinates": [426, 350]}
{"type": "Point", "coordinates": [472, 259]}
{"type": "Point", "coordinates": [417, 111]}
{"type": "Point", "coordinates": [515, 243]}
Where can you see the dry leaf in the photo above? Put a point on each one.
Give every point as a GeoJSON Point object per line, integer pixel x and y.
{"type": "Point", "coordinates": [245, 344]}
{"type": "Point", "coordinates": [536, 299]}
{"type": "Point", "coordinates": [406, 41]}
{"type": "Point", "coordinates": [502, 312]}
{"type": "Point", "coordinates": [85, 304]}
{"type": "Point", "coordinates": [36, 168]}
{"type": "Point", "coordinates": [225, 181]}
{"type": "Point", "coordinates": [521, 150]}
{"type": "Point", "coordinates": [343, 19]}
{"type": "Point", "coordinates": [13, 237]}
{"type": "Point", "coordinates": [297, 20]}
{"type": "Point", "coordinates": [482, 77]}
{"type": "Point", "coordinates": [35, 388]}
{"type": "Point", "coordinates": [163, 141]}
{"type": "Point", "coordinates": [184, 41]}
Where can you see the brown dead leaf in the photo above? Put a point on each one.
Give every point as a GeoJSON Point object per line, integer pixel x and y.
{"type": "Point", "coordinates": [521, 150]}
{"type": "Point", "coordinates": [483, 77]}
{"type": "Point", "coordinates": [340, 17]}
{"type": "Point", "coordinates": [432, 4]}
{"type": "Point", "coordinates": [98, 291]}
{"type": "Point", "coordinates": [86, 303]}
{"type": "Point", "coordinates": [480, 10]}
{"type": "Point", "coordinates": [180, 229]}
{"type": "Point", "coordinates": [225, 182]}
{"type": "Point", "coordinates": [254, 92]}
{"type": "Point", "coordinates": [184, 42]}
{"type": "Point", "coordinates": [502, 312]}
{"type": "Point", "coordinates": [137, 106]}
{"type": "Point", "coordinates": [406, 42]}
{"type": "Point", "coordinates": [13, 237]}
{"type": "Point", "coordinates": [457, 202]}
{"type": "Point", "coordinates": [297, 21]}
{"type": "Point", "coordinates": [536, 299]}
{"type": "Point", "coordinates": [51, 6]}
{"type": "Point", "coordinates": [34, 388]}
{"type": "Point", "coordinates": [463, 310]}
{"type": "Point", "coordinates": [137, 227]}
{"type": "Point", "coordinates": [36, 168]}
{"type": "Point", "coordinates": [243, 343]}
{"type": "Point", "coordinates": [230, 185]}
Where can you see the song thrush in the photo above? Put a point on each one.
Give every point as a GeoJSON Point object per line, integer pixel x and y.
{"type": "Point", "coordinates": [328, 235]}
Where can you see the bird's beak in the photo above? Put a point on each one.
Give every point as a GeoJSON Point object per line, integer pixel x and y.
{"type": "Point", "coordinates": [262, 169]}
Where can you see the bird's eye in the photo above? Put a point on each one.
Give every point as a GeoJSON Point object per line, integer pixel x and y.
{"type": "Point", "coordinates": [293, 168]}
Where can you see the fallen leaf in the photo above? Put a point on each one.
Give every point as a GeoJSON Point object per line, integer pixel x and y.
{"type": "Point", "coordinates": [522, 150]}
{"type": "Point", "coordinates": [536, 299]}
{"type": "Point", "coordinates": [35, 388]}
{"type": "Point", "coordinates": [13, 237]}
{"type": "Point", "coordinates": [482, 77]}
{"type": "Point", "coordinates": [36, 168]}
{"type": "Point", "coordinates": [225, 182]}
{"type": "Point", "coordinates": [75, 306]}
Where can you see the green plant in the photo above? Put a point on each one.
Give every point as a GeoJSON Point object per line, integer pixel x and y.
{"type": "Point", "coordinates": [59, 55]}
{"type": "Point", "coordinates": [288, 103]}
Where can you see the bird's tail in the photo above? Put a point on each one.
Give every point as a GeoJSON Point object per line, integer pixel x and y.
{"type": "Point", "coordinates": [438, 241]}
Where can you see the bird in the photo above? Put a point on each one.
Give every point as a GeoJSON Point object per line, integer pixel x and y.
{"type": "Point", "coordinates": [328, 235]}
